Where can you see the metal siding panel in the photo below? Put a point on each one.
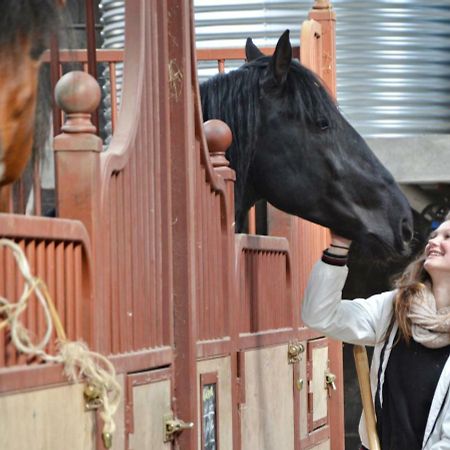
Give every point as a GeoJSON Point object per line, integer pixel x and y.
{"type": "Point", "coordinates": [393, 68]}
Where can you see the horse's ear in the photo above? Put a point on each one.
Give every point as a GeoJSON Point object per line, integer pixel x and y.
{"type": "Point", "coordinates": [281, 59]}
{"type": "Point", "coordinates": [252, 52]}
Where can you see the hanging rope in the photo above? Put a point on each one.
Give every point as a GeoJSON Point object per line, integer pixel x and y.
{"type": "Point", "coordinates": [80, 364]}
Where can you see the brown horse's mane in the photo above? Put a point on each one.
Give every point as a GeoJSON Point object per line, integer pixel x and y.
{"type": "Point", "coordinates": [31, 20]}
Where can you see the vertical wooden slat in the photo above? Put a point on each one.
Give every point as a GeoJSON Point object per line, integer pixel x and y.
{"type": "Point", "coordinates": [11, 295]}
{"type": "Point", "coordinates": [51, 282]}
{"type": "Point", "coordinates": [41, 273]}
{"type": "Point", "coordinates": [158, 70]}
{"type": "Point", "coordinates": [149, 291]}
{"type": "Point", "coordinates": [79, 303]}
{"type": "Point", "coordinates": [60, 284]}
{"type": "Point", "coordinates": [127, 274]}
{"type": "Point", "coordinates": [70, 291]}
{"type": "Point", "coordinates": [29, 317]}
{"type": "Point", "coordinates": [3, 294]}
{"type": "Point", "coordinates": [114, 103]}
{"type": "Point", "coordinates": [210, 262]}
{"type": "Point", "coordinates": [91, 47]}
{"type": "Point", "coordinates": [200, 216]}
{"type": "Point", "coordinates": [116, 285]}
{"type": "Point", "coordinates": [205, 268]}
{"type": "Point", "coordinates": [166, 182]}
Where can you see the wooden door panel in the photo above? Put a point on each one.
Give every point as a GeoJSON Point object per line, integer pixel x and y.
{"type": "Point", "coordinates": [47, 419]}
{"type": "Point", "coordinates": [216, 372]}
{"type": "Point", "coordinates": [319, 359]}
{"type": "Point", "coordinates": [317, 407]}
{"type": "Point", "coordinates": [148, 401]}
{"type": "Point", "coordinates": [267, 416]}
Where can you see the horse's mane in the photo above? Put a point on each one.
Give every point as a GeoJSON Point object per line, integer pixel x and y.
{"type": "Point", "coordinates": [235, 99]}
{"type": "Point", "coordinates": [33, 19]}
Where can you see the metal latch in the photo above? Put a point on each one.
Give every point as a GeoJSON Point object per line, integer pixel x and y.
{"type": "Point", "coordinates": [174, 426]}
{"type": "Point", "coordinates": [295, 349]}
{"type": "Point", "coordinates": [330, 379]}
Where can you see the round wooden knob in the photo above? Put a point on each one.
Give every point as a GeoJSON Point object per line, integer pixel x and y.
{"type": "Point", "coordinates": [218, 135]}
{"type": "Point", "coordinates": [77, 92]}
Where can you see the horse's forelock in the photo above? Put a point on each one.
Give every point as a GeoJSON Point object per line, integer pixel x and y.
{"type": "Point", "coordinates": [22, 19]}
{"type": "Point", "coordinates": [234, 98]}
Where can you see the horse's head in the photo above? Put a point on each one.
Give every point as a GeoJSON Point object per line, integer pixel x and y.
{"type": "Point", "coordinates": [25, 27]}
{"type": "Point", "coordinates": [292, 147]}
{"type": "Point", "coordinates": [309, 161]}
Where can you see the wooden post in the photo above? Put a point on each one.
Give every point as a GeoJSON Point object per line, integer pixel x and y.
{"type": "Point", "coordinates": [322, 12]}
{"type": "Point", "coordinates": [77, 161]}
{"type": "Point", "coordinates": [182, 141]}
{"type": "Point", "coordinates": [219, 137]}
{"type": "Point", "coordinates": [362, 370]}
{"type": "Point", "coordinates": [77, 149]}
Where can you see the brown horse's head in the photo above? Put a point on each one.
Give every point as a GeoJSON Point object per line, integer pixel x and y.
{"type": "Point", "coordinates": [25, 27]}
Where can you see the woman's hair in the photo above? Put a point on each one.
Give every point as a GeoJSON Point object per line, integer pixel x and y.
{"type": "Point", "coordinates": [408, 285]}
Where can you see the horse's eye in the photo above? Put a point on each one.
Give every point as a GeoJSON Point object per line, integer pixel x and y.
{"type": "Point", "coordinates": [322, 123]}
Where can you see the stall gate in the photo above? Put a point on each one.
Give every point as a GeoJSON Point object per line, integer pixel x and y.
{"type": "Point", "coordinates": [202, 325]}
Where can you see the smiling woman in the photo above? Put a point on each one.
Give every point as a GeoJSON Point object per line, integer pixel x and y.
{"type": "Point", "coordinates": [25, 28]}
{"type": "Point", "coordinates": [437, 252]}
{"type": "Point", "coordinates": [409, 328]}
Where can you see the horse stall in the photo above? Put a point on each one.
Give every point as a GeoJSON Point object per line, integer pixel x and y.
{"type": "Point", "coordinates": [202, 325]}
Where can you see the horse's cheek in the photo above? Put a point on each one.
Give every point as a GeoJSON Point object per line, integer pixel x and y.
{"type": "Point", "coordinates": [17, 125]}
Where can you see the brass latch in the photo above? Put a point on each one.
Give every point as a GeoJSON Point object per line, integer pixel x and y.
{"type": "Point", "coordinates": [174, 426]}
{"type": "Point", "coordinates": [330, 379]}
{"type": "Point", "coordinates": [295, 349]}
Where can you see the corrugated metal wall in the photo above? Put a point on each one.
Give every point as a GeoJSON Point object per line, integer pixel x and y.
{"type": "Point", "coordinates": [394, 65]}
{"type": "Point", "coordinates": [393, 57]}
{"type": "Point", "coordinates": [228, 23]}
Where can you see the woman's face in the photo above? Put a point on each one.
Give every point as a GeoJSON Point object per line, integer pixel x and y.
{"type": "Point", "coordinates": [437, 251]}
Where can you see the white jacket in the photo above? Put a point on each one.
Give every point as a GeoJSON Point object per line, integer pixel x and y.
{"type": "Point", "coordinates": [364, 322]}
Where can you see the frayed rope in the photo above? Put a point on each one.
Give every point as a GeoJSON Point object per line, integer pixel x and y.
{"type": "Point", "coordinates": [80, 363]}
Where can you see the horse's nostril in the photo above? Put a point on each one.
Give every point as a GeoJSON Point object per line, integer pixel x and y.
{"type": "Point", "coordinates": [407, 231]}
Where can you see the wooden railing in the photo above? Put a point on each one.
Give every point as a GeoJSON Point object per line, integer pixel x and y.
{"type": "Point", "coordinates": [58, 252]}
{"type": "Point", "coordinates": [265, 294]}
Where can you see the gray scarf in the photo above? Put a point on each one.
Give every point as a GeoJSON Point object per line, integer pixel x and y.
{"type": "Point", "coordinates": [430, 327]}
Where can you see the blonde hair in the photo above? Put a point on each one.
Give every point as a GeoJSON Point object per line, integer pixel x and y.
{"type": "Point", "coordinates": [408, 284]}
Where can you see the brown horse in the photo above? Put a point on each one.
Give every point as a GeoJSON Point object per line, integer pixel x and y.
{"type": "Point", "coordinates": [25, 28]}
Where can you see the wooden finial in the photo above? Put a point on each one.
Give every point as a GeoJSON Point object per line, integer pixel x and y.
{"type": "Point", "coordinates": [78, 95]}
{"type": "Point", "coordinates": [219, 138]}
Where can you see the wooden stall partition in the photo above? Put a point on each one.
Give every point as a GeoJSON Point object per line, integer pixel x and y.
{"type": "Point", "coordinates": [217, 302]}
{"type": "Point", "coordinates": [122, 195]}
{"type": "Point", "coordinates": [270, 354]}
{"type": "Point", "coordinates": [58, 252]}
{"type": "Point", "coordinates": [323, 13]}
{"type": "Point", "coordinates": [137, 202]}
{"type": "Point", "coordinates": [306, 240]}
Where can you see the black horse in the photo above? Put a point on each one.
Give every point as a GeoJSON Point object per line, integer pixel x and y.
{"type": "Point", "coordinates": [292, 147]}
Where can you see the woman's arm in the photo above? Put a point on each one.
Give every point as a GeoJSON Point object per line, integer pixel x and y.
{"type": "Point", "coordinates": [358, 321]}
